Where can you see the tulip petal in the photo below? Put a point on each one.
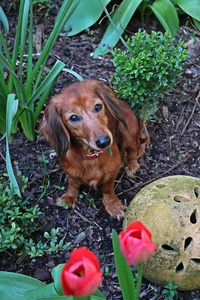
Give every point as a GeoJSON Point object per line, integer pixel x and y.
{"type": "Point", "coordinates": [136, 244]}
{"type": "Point", "coordinates": [81, 276]}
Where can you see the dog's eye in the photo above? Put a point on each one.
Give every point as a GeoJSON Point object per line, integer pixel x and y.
{"type": "Point", "coordinates": [74, 118]}
{"type": "Point", "coordinates": [98, 107]}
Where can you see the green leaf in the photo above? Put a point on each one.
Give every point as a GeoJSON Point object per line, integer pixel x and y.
{"type": "Point", "coordinates": [13, 285]}
{"type": "Point", "coordinates": [197, 24]}
{"type": "Point", "coordinates": [190, 7]}
{"type": "Point", "coordinates": [56, 277]}
{"type": "Point", "coordinates": [4, 20]}
{"type": "Point", "coordinates": [124, 273]}
{"type": "Point", "coordinates": [44, 292]}
{"type": "Point", "coordinates": [88, 12]}
{"type": "Point", "coordinates": [167, 15]}
{"type": "Point", "coordinates": [79, 77]}
{"type": "Point", "coordinates": [121, 18]}
{"type": "Point", "coordinates": [12, 105]}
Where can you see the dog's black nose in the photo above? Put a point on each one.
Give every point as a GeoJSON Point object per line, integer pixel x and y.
{"type": "Point", "coordinates": [103, 141]}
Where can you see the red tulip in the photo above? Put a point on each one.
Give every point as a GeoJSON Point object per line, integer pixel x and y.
{"type": "Point", "coordinates": [81, 276]}
{"type": "Point", "coordinates": [136, 244]}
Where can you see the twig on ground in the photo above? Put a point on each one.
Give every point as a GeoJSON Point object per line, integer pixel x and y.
{"type": "Point", "coordinates": [165, 131]}
{"type": "Point", "coordinates": [86, 220]}
{"type": "Point", "coordinates": [2, 156]}
{"type": "Point", "coordinates": [155, 178]}
{"type": "Point", "coordinates": [118, 181]}
{"type": "Point", "coordinates": [191, 115]}
{"type": "Point", "coordinates": [180, 118]}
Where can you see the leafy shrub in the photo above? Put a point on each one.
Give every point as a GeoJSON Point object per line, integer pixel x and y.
{"type": "Point", "coordinates": [149, 67]}
{"type": "Point", "coordinates": [18, 221]}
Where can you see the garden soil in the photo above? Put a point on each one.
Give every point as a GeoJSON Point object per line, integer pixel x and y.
{"type": "Point", "coordinates": [174, 150]}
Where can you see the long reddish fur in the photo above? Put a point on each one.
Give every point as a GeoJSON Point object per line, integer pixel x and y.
{"type": "Point", "coordinates": [116, 120]}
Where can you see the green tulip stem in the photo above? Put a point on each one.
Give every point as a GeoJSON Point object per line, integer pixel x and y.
{"type": "Point", "coordinates": [139, 281]}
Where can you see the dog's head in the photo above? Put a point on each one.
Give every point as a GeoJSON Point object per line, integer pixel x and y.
{"type": "Point", "coordinates": [82, 114]}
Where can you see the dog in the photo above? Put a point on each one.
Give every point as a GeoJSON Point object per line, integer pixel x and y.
{"type": "Point", "coordinates": [93, 133]}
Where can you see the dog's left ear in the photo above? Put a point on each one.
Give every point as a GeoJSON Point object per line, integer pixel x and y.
{"type": "Point", "coordinates": [111, 102]}
{"type": "Point", "coordinates": [54, 129]}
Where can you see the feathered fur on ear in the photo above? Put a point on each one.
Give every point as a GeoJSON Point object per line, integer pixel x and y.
{"type": "Point", "coordinates": [111, 102]}
{"type": "Point", "coordinates": [54, 130]}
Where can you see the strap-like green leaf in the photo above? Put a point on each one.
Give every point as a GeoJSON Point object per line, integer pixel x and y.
{"type": "Point", "coordinates": [66, 10]}
{"type": "Point", "coordinates": [121, 18]}
{"type": "Point", "coordinates": [11, 109]}
{"type": "Point", "coordinates": [88, 12]}
{"type": "Point", "coordinates": [124, 273]}
{"type": "Point", "coordinates": [190, 7]}
{"type": "Point", "coordinates": [13, 285]}
{"type": "Point", "coordinates": [18, 84]}
{"type": "Point", "coordinates": [4, 20]}
{"type": "Point", "coordinates": [197, 24]}
{"type": "Point", "coordinates": [167, 15]}
{"type": "Point", "coordinates": [79, 77]}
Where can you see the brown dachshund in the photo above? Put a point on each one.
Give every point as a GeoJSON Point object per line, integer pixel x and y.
{"type": "Point", "coordinates": [93, 133]}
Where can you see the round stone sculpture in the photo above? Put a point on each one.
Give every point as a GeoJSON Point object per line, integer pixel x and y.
{"type": "Point", "coordinates": [170, 209]}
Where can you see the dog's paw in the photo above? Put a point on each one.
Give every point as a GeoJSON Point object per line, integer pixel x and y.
{"type": "Point", "coordinates": [114, 207]}
{"type": "Point", "coordinates": [69, 201]}
{"type": "Point", "coordinates": [132, 169]}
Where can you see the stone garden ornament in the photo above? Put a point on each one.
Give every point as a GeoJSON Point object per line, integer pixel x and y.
{"type": "Point", "coordinates": [170, 209]}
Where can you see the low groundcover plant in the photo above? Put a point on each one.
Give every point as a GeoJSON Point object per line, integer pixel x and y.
{"type": "Point", "coordinates": [19, 219]}
{"type": "Point", "coordinates": [81, 276]}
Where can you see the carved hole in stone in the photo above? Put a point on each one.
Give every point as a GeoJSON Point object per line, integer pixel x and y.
{"type": "Point", "coordinates": [196, 260]}
{"type": "Point", "coordinates": [167, 248]}
{"type": "Point", "coordinates": [180, 199]}
{"type": "Point", "coordinates": [194, 217]}
{"type": "Point", "coordinates": [180, 269]}
{"type": "Point", "coordinates": [197, 191]}
{"type": "Point", "coordinates": [160, 186]}
{"type": "Point", "coordinates": [188, 243]}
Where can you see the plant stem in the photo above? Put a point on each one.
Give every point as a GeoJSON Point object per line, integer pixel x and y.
{"type": "Point", "coordinates": [139, 281]}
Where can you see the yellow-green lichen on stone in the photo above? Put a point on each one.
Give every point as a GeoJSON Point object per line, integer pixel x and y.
{"type": "Point", "coordinates": [170, 209]}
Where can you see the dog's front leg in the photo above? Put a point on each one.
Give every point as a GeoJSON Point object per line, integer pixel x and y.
{"type": "Point", "coordinates": [111, 202]}
{"type": "Point", "coordinates": [70, 196]}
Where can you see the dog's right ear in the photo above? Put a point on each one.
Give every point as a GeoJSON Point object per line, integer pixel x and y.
{"type": "Point", "coordinates": [54, 129]}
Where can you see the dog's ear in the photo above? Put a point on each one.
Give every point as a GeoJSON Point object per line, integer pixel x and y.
{"type": "Point", "coordinates": [54, 129]}
{"type": "Point", "coordinates": [111, 102]}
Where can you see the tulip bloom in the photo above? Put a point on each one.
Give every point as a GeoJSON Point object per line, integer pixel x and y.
{"type": "Point", "coordinates": [136, 244]}
{"type": "Point", "coordinates": [81, 276]}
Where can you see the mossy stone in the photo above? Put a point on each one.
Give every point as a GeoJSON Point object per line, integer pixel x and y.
{"type": "Point", "coordinates": [170, 209]}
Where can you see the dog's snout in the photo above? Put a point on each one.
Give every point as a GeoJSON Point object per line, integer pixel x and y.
{"type": "Point", "coordinates": [103, 141]}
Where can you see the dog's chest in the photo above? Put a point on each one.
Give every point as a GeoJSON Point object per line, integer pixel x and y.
{"type": "Point", "coordinates": [93, 173]}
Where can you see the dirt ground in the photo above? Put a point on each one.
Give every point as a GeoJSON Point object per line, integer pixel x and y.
{"type": "Point", "coordinates": [174, 150]}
